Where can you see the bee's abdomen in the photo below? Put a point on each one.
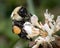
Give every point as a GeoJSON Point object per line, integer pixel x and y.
{"type": "Point", "coordinates": [23, 34]}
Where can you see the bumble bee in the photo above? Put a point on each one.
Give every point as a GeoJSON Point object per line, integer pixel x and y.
{"type": "Point", "coordinates": [19, 16]}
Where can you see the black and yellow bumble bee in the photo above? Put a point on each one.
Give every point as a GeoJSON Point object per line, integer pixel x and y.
{"type": "Point", "coordinates": [19, 16]}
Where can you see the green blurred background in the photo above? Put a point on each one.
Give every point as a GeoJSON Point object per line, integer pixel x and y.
{"type": "Point", "coordinates": [7, 38]}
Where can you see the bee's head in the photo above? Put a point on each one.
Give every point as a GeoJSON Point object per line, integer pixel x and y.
{"type": "Point", "coordinates": [19, 13]}
{"type": "Point", "coordinates": [23, 12]}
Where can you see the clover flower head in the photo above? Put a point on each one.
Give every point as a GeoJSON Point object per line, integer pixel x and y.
{"type": "Point", "coordinates": [51, 27]}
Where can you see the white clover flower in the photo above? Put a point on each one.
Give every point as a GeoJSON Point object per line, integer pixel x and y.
{"type": "Point", "coordinates": [46, 27]}
{"type": "Point", "coordinates": [27, 27]}
{"type": "Point", "coordinates": [41, 40]}
{"type": "Point", "coordinates": [48, 15]}
{"type": "Point", "coordinates": [51, 27]}
{"type": "Point", "coordinates": [34, 21]}
{"type": "Point", "coordinates": [58, 23]}
{"type": "Point", "coordinates": [34, 18]}
{"type": "Point", "coordinates": [30, 30]}
{"type": "Point", "coordinates": [50, 24]}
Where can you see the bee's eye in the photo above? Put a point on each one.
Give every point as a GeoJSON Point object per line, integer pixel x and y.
{"type": "Point", "coordinates": [22, 12]}
{"type": "Point", "coordinates": [16, 30]}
